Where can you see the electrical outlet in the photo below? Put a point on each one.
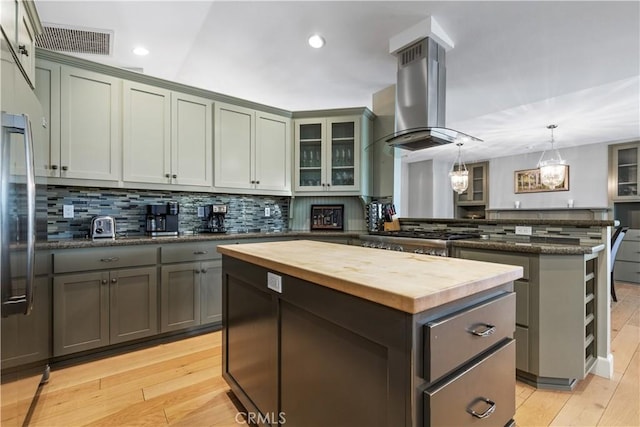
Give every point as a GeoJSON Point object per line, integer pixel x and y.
{"type": "Point", "coordinates": [67, 211]}
{"type": "Point", "coordinates": [200, 211]}
{"type": "Point", "coordinates": [523, 230]}
{"type": "Point", "coordinates": [274, 282]}
{"type": "Point", "coordinates": [267, 211]}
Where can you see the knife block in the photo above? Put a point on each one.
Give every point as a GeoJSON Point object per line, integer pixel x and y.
{"type": "Point", "coordinates": [394, 225]}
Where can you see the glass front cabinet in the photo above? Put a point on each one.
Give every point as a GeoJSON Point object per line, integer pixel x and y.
{"type": "Point", "coordinates": [328, 154]}
{"type": "Point", "coordinates": [473, 201]}
{"type": "Point", "coordinates": [625, 158]}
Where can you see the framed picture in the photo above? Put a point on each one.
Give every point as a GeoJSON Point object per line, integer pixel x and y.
{"type": "Point", "coordinates": [327, 217]}
{"type": "Point", "coordinates": [528, 181]}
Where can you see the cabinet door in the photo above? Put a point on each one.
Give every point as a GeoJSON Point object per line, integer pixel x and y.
{"type": "Point", "coordinates": [310, 155]}
{"type": "Point", "coordinates": [133, 304]}
{"type": "Point", "coordinates": [626, 159]}
{"type": "Point", "coordinates": [191, 161]}
{"type": "Point", "coordinates": [343, 154]}
{"type": "Point", "coordinates": [211, 292]}
{"type": "Point", "coordinates": [81, 315]}
{"type": "Point", "coordinates": [180, 296]}
{"type": "Point", "coordinates": [146, 133]}
{"type": "Point", "coordinates": [273, 152]}
{"type": "Point", "coordinates": [47, 154]}
{"type": "Point", "coordinates": [26, 43]}
{"type": "Point", "coordinates": [90, 125]}
{"type": "Point", "coordinates": [8, 19]}
{"type": "Point", "coordinates": [234, 139]}
{"type": "Point", "coordinates": [31, 333]}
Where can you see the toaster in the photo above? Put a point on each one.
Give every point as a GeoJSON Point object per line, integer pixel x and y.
{"type": "Point", "coordinates": [103, 227]}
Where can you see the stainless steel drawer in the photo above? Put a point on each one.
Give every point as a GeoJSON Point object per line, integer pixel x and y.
{"type": "Point", "coordinates": [486, 388]}
{"type": "Point", "coordinates": [69, 260]}
{"type": "Point", "coordinates": [453, 340]}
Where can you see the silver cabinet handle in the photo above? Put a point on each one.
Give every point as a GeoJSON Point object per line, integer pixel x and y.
{"type": "Point", "coordinates": [64, 168]}
{"type": "Point", "coordinates": [112, 259]}
{"type": "Point", "coordinates": [200, 252]}
{"type": "Point", "coordinates": [104, 281]}
{"type": "Point", "coordinates": [174, 176]}
{"type": "Point", "coordinates": [490, 410]}
{"type": "Point", "coordinates": [54, 167]}
{"type": "Point", "coordinates": [166, 175]}
{"type": "Point", "coordinates": [114, 280]}
{"type": "Point", "coordinates": [204, 270]}
{"type": "Point", "coordinates": [490, 329]}
{"type": "Point", "coordinates": [196, 271]}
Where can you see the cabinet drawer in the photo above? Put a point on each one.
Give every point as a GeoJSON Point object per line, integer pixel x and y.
{"type": "Point", "coordinates": [627, 271]}
{"type": "Point", "coordinates": [629, 250]}
{"type": "Point", "coordinates": [485, 384]}
{"type": "Point", "coordinates": [103, 258]}
{"type": "Point", "coordinates": [190, 252]}
{"type": "Point", "coordinates": [453, 340]}
{"type": "Point", "coordinates": [497, 257]}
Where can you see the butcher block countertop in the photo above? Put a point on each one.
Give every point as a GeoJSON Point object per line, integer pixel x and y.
{"type": "Point", "coordinates": [408, 282]}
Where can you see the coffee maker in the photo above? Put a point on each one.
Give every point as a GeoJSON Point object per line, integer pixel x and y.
{"type": "Point", "coordinates": [162, 220]}
{"type": "Point", "coordinates": [213, 216]}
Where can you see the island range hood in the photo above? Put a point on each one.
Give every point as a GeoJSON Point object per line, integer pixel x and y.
{"type": "Point", "coordinates": [420, 99]}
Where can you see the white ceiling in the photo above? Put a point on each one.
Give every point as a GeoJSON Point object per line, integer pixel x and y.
{"type": "Point", "coordinates": [515, 68]}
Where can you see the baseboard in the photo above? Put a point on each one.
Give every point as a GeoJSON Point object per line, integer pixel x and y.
{"type": "Point", "coordinates": [603, 367]}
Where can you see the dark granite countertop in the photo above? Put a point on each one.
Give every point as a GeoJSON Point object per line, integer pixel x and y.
{"type": "Point", "coordinates": [496, 244]}
{"type": "Point", "coordinates": [146, 240]}
{"type": "Point", "coordinates": [523, 221]}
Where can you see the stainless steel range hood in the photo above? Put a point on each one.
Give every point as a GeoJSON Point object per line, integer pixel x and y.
{"type": "Point", "coordinates": [420, 99]}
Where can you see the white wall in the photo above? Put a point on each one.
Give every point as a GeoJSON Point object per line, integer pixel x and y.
{"type": "Point", "coordinates": [588, 179]}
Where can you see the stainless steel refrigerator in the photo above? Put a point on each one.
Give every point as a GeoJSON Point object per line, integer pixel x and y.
{"type": "Point", "coordinates": [25, 298]}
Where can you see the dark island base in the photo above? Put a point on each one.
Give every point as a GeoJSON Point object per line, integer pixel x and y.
{"type": "Point", "coordinates": [311, 356]}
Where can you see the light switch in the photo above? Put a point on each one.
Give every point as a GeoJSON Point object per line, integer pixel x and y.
{"type": "Point", "coordinates": [267, 211]}
{"type": "Point", "coordinates": [67, 211]}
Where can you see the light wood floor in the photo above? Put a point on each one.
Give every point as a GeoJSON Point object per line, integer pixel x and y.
{"type": "Point", "coordinates": [179, 383]}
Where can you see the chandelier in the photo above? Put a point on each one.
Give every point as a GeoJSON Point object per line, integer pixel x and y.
{"type": "Point", "coordinates": [552, 167]}
{"type": "Point", "coordinates": [459, 174]}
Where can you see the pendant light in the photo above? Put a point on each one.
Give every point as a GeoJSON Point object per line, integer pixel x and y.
{"type": "Point", "coordinates": [459, 174]}
{"type": "Point", "coordinates": [552, 167]}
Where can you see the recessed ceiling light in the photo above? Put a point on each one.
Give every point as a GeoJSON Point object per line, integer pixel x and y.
{"type": "Point", "coordinates": [316, 41]}
{"type": "Point", "coordinates": [141, 51]}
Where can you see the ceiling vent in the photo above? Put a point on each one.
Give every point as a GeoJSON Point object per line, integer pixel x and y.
{"type": "Point", "coordinates": [75, 39]}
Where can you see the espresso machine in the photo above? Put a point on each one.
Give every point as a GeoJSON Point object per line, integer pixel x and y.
{"type": "Point", "coordinates": [162, 220]}
{"type": "Point", "coordinates": [213, 216]}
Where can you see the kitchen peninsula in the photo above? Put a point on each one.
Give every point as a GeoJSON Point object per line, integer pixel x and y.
{"type": "Point", "coordinates": [323, 334]}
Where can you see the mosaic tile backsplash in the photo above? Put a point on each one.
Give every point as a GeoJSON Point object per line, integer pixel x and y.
{"type": "Point", "coordinates": [128, 207]}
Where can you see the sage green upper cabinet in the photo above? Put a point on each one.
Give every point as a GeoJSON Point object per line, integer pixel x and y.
{"type": "Point", "coordinates": [47, 154]}
{"type": "Point", "coordinates": [167, 136]}
{"type": "Point", "coordinates": [252, 151]}
{"type": "Point", "coordinates": [89, 125]}
{"type": "Point", "coordinates": [328, 155]}
{"type": "Point", "coordinates": [20, 24]}
{"type": "Point", "coordinates": [146, 133]}
{"type": "Point", "coordinates": [625, 159]}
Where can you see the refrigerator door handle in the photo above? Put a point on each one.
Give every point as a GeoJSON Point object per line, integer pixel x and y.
{"type": "Point", "coordinates": [22, 304]}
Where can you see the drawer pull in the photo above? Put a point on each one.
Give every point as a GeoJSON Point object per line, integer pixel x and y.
{"type": "Point", "coordinates": [490, 329]}
{"type": "Point", "coordinates": [490, 410]}
{"type": "Point", "coordinates": [200, 252]}
{"type": "Point", "coordinates": [112, 259]}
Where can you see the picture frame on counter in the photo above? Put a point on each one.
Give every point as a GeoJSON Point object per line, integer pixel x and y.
{"type": "Point", "coordinates": [327, 217]}
{"type": "Point", "coordinates": [528, 181]}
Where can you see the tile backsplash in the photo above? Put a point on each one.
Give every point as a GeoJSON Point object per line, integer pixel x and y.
{"type": "Point", "coordinates": [128, 207]}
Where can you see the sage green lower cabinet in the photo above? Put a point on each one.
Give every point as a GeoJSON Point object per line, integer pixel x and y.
{"type": "Point", "coordinates": [96, 309]}
{"type": "Point", "coordinates": [191, 285]}
{"type": "Point", "coordinates": [556, 314]}
{"type": "Point", "coordinates": [103, 296]}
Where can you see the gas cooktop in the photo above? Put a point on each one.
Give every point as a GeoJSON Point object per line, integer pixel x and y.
{"type": "Point", "coordinates": [435, 235]}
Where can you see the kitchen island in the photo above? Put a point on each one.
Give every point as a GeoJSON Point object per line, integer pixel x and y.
{"type": "Point", "coordinates": [319, 334]}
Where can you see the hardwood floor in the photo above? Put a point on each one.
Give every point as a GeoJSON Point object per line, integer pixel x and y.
{"type": "Point", "coordinates": [179, 383]}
